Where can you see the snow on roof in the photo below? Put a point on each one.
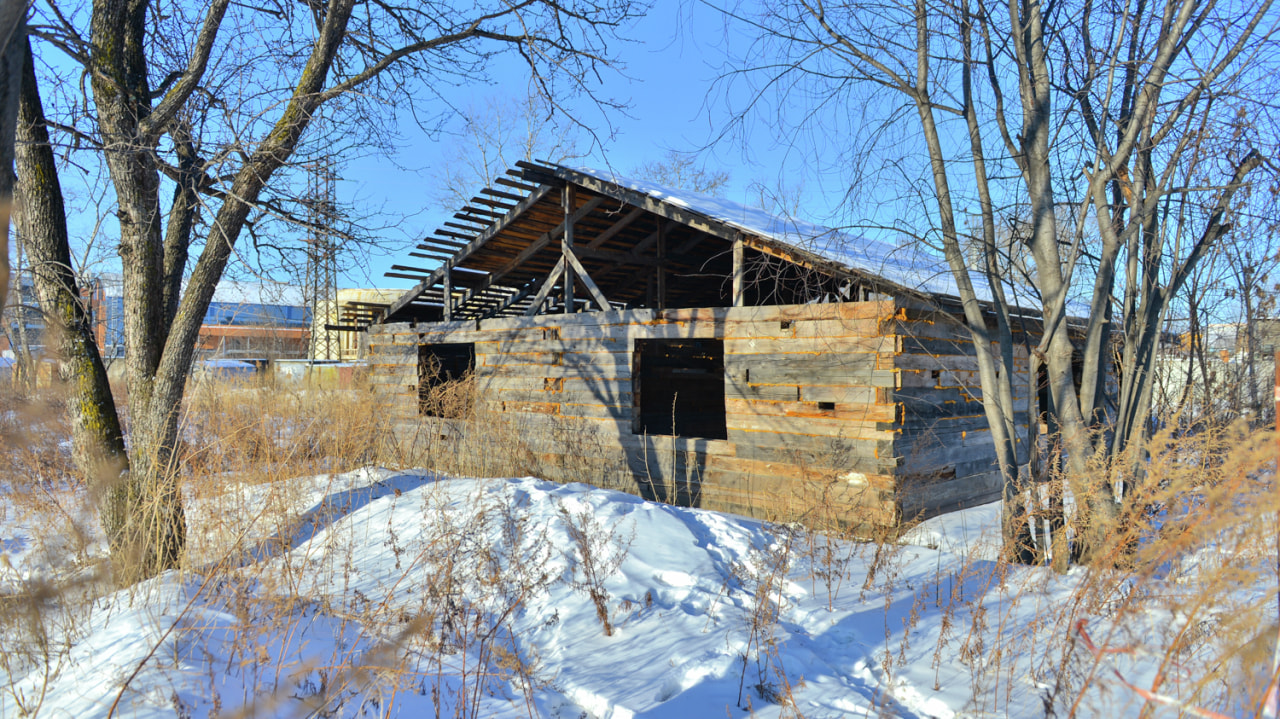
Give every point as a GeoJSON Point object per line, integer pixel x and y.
{"type": "Point", "coordinates": [916, 267]}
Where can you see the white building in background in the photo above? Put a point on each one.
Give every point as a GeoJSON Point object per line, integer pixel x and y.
{"type": "Point", "coordinates": [344, 346]}
{"type": "Point", "coordinates": [1228, 379]}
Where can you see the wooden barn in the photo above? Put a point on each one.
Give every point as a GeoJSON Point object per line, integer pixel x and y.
{"type": "Point", "coordinates": [716, 355]}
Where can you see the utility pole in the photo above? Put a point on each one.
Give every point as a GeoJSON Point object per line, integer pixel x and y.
{"type": "Point", "coordinates": [322, 259]}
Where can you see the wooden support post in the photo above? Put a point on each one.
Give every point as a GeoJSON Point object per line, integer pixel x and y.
{"type": "Point", "coordinates": [574, 265]}
{"type": "Point", "coordinates": [566, 246]}
{"type": "Point", "coordinates": [447, 279]}
{"type": "Point", "coordinates": [546, 289]}
{"type": "Point", "coordinates": [737, 273]}
{"type": "Point", "coordinates": [662, 271]}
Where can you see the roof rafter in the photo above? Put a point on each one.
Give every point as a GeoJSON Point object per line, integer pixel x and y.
{"type": "Point", "coordinates": [534, 198]}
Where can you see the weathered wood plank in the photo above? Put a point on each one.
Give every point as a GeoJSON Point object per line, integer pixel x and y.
{"type": "Point", "coordinates": [566, 359]}
{"type": "Point", "coordinates": [589, 372]}
{"type": "Point", "coordinates": [862, 412]}
{"type": "Point", "coordinates": [798, 370]}
{"type": "Point", "coordinates": [820, 346]}
{"type": "Point", "coordinates": [777, 313]}
{"type": "Point", "coordinates": [921, 502]}
{"type": "Point", "coordinates": [797, 472]}
{"type": "Point", "coordinates": [918, 403]}
{"type": "Point", "coordinates": [538, 344]}
{"type": "Point", "coordinates": [535, 395]}
{"type": "Point", "coordinates": [381, 351]}
{"type": "Point", "coordinates": [844, 327]}
{"type": "Point", "coordinates": [815, 426]}
{"type": "Point", "coordinates": [626, 333]}
{"type": "Point", "coordinates": [619, 412]}
{"type": "Point", "coordinates": [601, 387]}
{"type": "Point", "coordinates": [818, 458]}
{"type": "Point", "coordinates": [768, 392]}
{"type": "Point", "coordinates": [579, 319]}
{"type": "Point", "coordinates": [925, 345]}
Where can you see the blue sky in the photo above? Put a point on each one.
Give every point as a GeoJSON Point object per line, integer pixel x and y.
{"type": "Point", "coordinates": [668, 80]}
{"type": "Point", "coordinates": [667, 76]}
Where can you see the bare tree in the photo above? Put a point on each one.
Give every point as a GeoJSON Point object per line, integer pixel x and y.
{"type": "Point", "coordinates": [217, 100]}
{"type": "Point", "coordinates": [97, 441]}
{"type": "Point", "coordinates": [13, 15]}
{"type": "Point", "coordinates": [1092, 117]}
{"type": "Point", "coordinates": [681, 171]}
{"type": "Point", "coordinates": [494, 135]}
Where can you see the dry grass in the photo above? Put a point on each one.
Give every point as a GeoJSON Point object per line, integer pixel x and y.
{"type": "Point", "coordinates": [1175, 601]}
{"type": "Point", "coordinates": [337, 652]}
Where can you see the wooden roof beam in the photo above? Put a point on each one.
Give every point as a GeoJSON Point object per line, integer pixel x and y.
{"type": "Point", "coordinates": [500, 204]}
{"type": "Point", "coordinates": [450, 233]}
{"type": "Point", "coordinates": [441, 243]}
{"type": "Point", "coordinates": [407, 268]}
{"type": "Point", "coordinates": [547, 285]}
{"type": "Point", "coordinates": [497, 227]}
{"type": "Point", "coordinates": [499, 193]}
{"type": "Point", "coordinates": [636, 198]}
{"type": "Point", "coordinates": [547, 238]}
{"type": "Point", "coordinates": [811, 261]}
{"type": "Point", "coordinates": [480, 211]}
{"type": "Point", "coordinates": [512, 183]}
{"type": "Point", "coordinates": [616, 227]}
{"type": "Point", "coordinates": [582, 276]}
{"type": "Point", "coordinates": [512, 301]}
{"type": "Point", "coordinates": [619, 258]}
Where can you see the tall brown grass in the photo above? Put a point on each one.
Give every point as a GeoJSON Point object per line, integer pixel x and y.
{"type": "Point", "coordinates": [1176, 595]}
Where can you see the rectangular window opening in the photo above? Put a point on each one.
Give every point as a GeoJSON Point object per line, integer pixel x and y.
{"type": "Point", "coordinates": [445, 372]}
{"type": "Point", "coordinates": [678, 388]}
{"type": "Point", "coordinates": [827, 406]}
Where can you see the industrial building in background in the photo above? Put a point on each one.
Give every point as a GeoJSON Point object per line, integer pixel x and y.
{"type": "Point", "coordinates": [245, 320]}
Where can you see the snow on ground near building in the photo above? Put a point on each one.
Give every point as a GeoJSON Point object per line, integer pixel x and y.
{"type": "Point", "coordinates": [380, 593]}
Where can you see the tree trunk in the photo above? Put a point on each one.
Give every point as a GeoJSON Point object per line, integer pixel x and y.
{"type": "Point", "coordinates": [97, 441]}
{"type": "Point", "coordinates": [13, 31]}
{"type": "Point", "coordinates": [24, 382]}
{"type": "Point", "coordinates": [145, 514]}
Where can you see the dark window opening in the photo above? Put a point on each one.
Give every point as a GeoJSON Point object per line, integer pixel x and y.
{"type": "Point", "coordinates": [679, 388]}
{"type": "Point", "coordinates": [443, 374]}
{"type": "Point", "coordinates": [827, 406]}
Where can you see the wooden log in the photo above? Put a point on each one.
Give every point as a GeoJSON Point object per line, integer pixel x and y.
{"type": "Point", "coordinates": [768, 392]}
{"type": "Point", "coordinates": [798, 370]}
{"type": "Point", "coordinates": [738, 273]}
{"type": "Point", "coordinates": [595, 372]}
{"type": "Point", "coordinates": [838, 395]}
{"type": "Point", "coordinates": [853, 412]}
{"type": "Point", "coordinates": [813, 426]}
{"type": "Point", "coordinates": [922, 502]}
{"type": "Point", "coordinates": [810, 346]}
{"type": "Point", "coordinates": [566, 359]}
{"type": "Point", "coordinates": [929, 346]}
{"type": "Point", "coordinates": [777, 313]}
{"type": "Point", "coordinates": [818, 458]}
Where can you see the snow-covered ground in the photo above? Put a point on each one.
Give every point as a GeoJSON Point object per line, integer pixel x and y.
{"type": "Point", "coordinates": [383, 593]}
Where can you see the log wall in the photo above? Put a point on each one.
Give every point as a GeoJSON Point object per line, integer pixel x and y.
{"type": "Point", "coordinates": [864, 411]}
